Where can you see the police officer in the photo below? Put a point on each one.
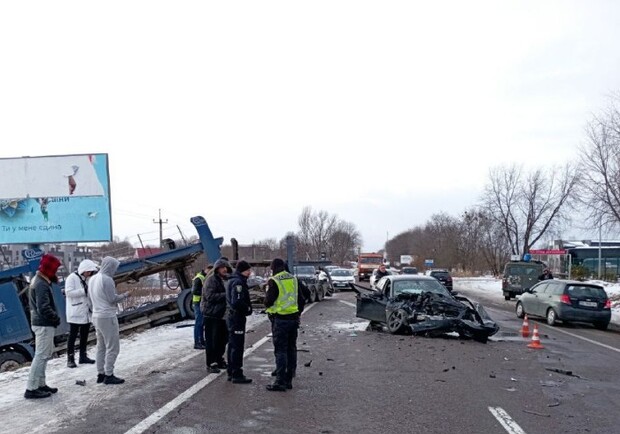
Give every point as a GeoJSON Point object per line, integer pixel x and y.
{"type": "Point", "coordinates": [239, 307]}
{"type": "Point", "coordinates": [284, 301]}
{"type": "Point", "coordinates": [197, 284]}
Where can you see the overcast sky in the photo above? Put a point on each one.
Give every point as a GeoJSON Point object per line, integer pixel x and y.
{"type": "Point", "coordinates": [383, 112]}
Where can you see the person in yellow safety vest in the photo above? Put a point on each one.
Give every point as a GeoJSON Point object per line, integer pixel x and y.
{"type": "Point", "coordinates": [285, 300]}
{"type": "Point", "coordinates": [197, 284]}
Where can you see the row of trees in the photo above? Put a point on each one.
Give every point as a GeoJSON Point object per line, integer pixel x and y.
{"type": "Point", "coordinates": [520, 208]}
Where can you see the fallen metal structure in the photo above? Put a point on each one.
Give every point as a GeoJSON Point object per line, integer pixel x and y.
{"type": "Point", "coordinates": [428, 313]}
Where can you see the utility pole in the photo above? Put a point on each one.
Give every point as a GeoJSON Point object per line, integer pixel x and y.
{"type": "Point", "coordinates": [160, 222]}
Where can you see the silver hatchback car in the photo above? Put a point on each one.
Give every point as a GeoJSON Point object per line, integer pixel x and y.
{"type": "Point", "coordinates": [566, 300]}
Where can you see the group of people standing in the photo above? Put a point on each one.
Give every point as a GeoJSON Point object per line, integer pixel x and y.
{"type": "Point", "coordinates": [90, 296]}
{"type": "Point", "coordinates": [222, 297]}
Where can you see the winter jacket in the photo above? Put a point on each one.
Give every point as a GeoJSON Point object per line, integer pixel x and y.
{"type": "Point", "coordinates": [273, 292]}
{"type": "Point", "coordinates": [42, 308]}
{"type": "Point", "coordinates": [76, 290]}
{"type": "Point", "coordinates": [213, 303]}
{"type": "Point", "coordinates": [102, 290]}
{"type": "Point", "coordinates": [238, 295]}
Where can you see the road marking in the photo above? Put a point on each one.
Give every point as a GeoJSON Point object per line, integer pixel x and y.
{"type": "Point", "coordinates": [555, 329]}
{"type": "Point", "coordinates": [347, 303]}
{"type": "Point", "coordinates": [504, 418]}
{"type": "Point", "coordinates": [158, 415]}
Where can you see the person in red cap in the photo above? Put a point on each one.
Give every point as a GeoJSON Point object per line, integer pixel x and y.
{"type": "Point", "coordinates": [43, 320]}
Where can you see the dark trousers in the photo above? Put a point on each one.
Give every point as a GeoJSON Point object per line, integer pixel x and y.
{"type": "Point", "coordinates": [74, 329]}
{"type": "Point", "coordinates": [198, 325]}
{"type": "Point", "coordinates": [284, 333]}
{"type": "Point", "coordinates": [216, 337]}
{"type": "Point", "coordinates": [236, 344]}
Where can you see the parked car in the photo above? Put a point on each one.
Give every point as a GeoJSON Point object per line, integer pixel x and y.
{"type": "Point", "coordinates": [519, 276]}
{"type": "Point", "coordinates": [409, 270]}
{"type": "Point", "coordinates": [342, 278]}
{"type": "Point", "coordinates": [420, 304]}
{"type": "Point", "coordinates": [566, 300]}
{"type": "Point", "coordinates": [443, 276]}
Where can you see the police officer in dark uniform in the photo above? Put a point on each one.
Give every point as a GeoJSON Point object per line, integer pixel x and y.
{"type": "Point", "coordinates": [239, 307]}
{"type": "Point", "coordinates": [284, 301]}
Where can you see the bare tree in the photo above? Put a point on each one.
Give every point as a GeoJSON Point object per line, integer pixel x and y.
{"type": "Point", "coordinates": [600, 159]}
{"type": "Point", "coordinates": [344, 242]}
{"type": "Point", "coordinates": [529, 206]}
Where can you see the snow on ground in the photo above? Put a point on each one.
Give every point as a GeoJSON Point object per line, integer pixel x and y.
{"type": "Point", "coordinates": [490, 287]}
{"type": "Point", "coordinates": [154, 349]}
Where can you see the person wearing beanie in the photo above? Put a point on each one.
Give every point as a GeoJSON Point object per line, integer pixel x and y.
{"type": "Point", "coordinates": [239, 307]}
{"type": "Point", "coordinates": [285, 300]}
{"type": "Point", "coordinates": [44, 319]}
{"type": "Point", "coordinates": [79, 310]}
{"type": "Point", "coordinates": [213, 307]}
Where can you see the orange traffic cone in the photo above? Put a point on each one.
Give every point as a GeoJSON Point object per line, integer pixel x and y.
{"type": "Point", "coordinates": [525, 328]}
{"type": "Point", "coordinates": [535, 339]}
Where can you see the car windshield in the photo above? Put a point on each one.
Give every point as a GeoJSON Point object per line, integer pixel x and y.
{"type": "Point", "coordinates": [417, 286]}
{"type": "Point", "coordinates": [304, 270]}
{"type": "Point", "coordinates": [367, 260]}
{"type": "Point", "coordinates": [440, 274]}
{"type": "Point", "coordinates": [586, 291]}
{"type": "Point", "coordinates": [524, 270]}
{"type": "Point", "coordinates": [341, 273]}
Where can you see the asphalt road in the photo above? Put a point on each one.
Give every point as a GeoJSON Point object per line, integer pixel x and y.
{"type": "Point", "coordinates": [360, 381]}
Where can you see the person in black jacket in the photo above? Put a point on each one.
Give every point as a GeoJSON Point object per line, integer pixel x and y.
{"type": "Point", "coordinates": [197, 284]}
{"type": "Point", "coordinates": [239, 307]}
{"type": "Point", "coordinates": [546, 275]}
{"type": "Point", "coordinates": [44, 319]}
{"type": "Point", "coordinates": [213, 306]}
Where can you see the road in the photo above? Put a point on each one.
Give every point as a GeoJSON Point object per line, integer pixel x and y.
{"type": "Point", "coordinates": [355, 381]}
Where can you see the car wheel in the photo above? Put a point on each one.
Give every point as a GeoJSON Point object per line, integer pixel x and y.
{"type": "Point", "coordinates": [507, 297]}
{"type": "Point", "coordinates": [601, 325]}
{"type": "Point", "coordinates": [520, 311]}
{"type": "Point", "coordinates": [551, 317]}
{"type": "Point", "coordinates": [189, 306]}
{"type": "Point", "coordinates": [397, 321]}
{"type": "Point", "coordinates": [312, 290]}
{"type": "Point", "coordinates": [319, 293]}
{"type": "Point", "coordinates": [11, 360]}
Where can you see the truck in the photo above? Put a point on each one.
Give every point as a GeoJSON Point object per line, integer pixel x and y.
{"type": "Point", "coordinates": [16, 339]}
{"type": "Point", "coordinates": [519, 276]}
{"type": "Point", "coordinates": [367, 263]}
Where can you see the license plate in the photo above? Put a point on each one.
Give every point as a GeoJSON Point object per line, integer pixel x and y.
{"type": "Point", "coordinates": [588, 303]}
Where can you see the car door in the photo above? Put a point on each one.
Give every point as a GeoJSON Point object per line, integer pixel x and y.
{"type": "Point", "coordinates": [529, 300]}
{"type": "Point", "coordinates": [371, 305]}
{"type": "Point", "coordinates": [541, 299]}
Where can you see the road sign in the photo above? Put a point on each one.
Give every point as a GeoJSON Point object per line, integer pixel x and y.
{"type": "Point", "coordinates": [406, 259]}
{"type": "Point", "coordinates": [429, 262]}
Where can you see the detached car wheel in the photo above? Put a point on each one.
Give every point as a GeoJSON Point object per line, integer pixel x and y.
{"type": "Point", "coordinates": [520, 311]}
{"type": "Point", "coordinates": [551, 317]}
{"type": "Point", "coordinates": [397, 321]}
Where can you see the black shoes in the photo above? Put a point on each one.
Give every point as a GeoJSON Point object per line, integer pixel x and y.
{"type": "Point", "coordinates": [277, 387]}
{"type": "Point", "coordinates": [213, 369]}
{"type": "Point", "coordinates": [199, 347]}
{"type": "Point", "coordinates": [289, 385]}
{"type": "Point", "coordinates": [111, 379]}
{"type": "Point", "coordinates": [46, 388]}
{"type": "Point", "coordinates": [84, 359]}
{"type": "Point", "coordinates": [71, 362]}
{"type": "Point", "coordinates": [100, 378]}
{"type": "Point", "coordinates": [241, 380]}
{"type": "Point", "coordinates": [36, 394]}
{"type": "Point", "coordinates": [222, 364]}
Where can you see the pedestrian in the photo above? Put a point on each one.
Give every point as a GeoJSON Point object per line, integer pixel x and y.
{"type": "Point", "coordinates": [546, 275]}
{"type": "Point", "coordinates": [285, 302]}
{"type": "Point", "coordinates": [239, 307]}
{"type": "Point", "coordinates": [381, 272]}
{"type": "Point", "coordinates": [79, 310]}
{"type": "Point", "coordinates": [104, 299]}
{"type": "Point", "coordinates": [213, 306]}
{"type": "Point", "coordinates": [198, 283]}
{"type": "Point", "coordinates": [44, 319]}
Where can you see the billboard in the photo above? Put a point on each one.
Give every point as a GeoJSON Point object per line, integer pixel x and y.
{"type": "Point", "coordinates": [53, 199]}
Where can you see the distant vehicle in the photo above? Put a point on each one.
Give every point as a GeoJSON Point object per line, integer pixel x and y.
{"type": "Point", "coordinates": [566, 301]}
{"type": "Point", "coordinates": [330, 268]}
{"type": "Point", "coordinates": [342, 278]}
{"type": "Point", "coordinates": [409, 270]}
{"type": "Point", "coordinates": [519, 276]}
{"type": "Point", "coordinates": [367, 263]}
{"type": "Point", "coordinates": [443, 276]}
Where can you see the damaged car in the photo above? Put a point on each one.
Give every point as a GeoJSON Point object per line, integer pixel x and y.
{"type": "Point", "coordinates": [422, 305]}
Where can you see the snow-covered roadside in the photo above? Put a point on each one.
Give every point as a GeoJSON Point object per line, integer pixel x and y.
{"type": "Point", "coordinates": [490, 287]}
{"type": "Point", "coordinates": [141, 353]}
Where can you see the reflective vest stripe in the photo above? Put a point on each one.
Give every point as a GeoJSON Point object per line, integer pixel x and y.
{"type": "Point", "coordinates": [286, 303]}
{"type": "Point", "coordinates": [202, 277]}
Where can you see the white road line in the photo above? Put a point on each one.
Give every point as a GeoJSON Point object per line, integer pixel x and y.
{"type": "Point", "coordinates": [347, 303]}
{"type": "Point", "coordinates": [504, 418]}
{"type": "Point", "coordinates": [555, 329]}
{"type": "Point", "coordinates": [151, 420]}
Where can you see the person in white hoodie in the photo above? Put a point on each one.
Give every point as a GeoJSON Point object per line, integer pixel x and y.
{"type": "Point", "coordinates": [103, 296]}
{"type": "Point", "coordinates": [79, 310]}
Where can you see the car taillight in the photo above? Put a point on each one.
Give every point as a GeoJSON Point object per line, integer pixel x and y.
{"type": "Point", "coordinates": [607, 304]}
{"type": "Point", "coordinates": [564, 298]}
